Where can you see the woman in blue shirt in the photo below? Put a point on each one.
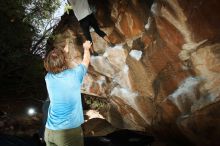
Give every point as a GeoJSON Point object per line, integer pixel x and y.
{"type": "Point", "coordinates": [65, 113]}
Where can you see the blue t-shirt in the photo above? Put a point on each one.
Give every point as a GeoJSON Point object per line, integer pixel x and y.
{"type": "Point", "coordinates": [65, 110]}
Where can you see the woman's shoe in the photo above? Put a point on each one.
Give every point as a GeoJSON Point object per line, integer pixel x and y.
{"type": "Point", "coordinates": [111, 44]}
{"type": "Point", "coordinates": [94, 53]}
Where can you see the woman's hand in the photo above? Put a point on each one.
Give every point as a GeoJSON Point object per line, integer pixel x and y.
{"type": "Point", "coordinates": [86, 57]}
{"type": "Point", "coordinates": [87, 45]}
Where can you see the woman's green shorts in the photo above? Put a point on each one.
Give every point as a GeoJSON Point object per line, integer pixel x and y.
{"type": "Point", "coordinates": [67, 137]}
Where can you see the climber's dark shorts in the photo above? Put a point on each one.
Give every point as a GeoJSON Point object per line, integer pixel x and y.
{"type": "Point", "coordinates": [68, 137]}
{"type": "Point", "coordinates": [85, 24]}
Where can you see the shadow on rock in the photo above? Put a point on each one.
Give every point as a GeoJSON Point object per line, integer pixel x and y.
{"type": "Point", "coordinates": [120, 138]}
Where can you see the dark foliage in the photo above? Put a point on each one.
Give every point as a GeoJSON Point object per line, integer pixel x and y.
{"type": "Point", "coordinates": [22, 73]}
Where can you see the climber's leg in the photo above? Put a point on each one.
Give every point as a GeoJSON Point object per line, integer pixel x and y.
{"type": "Point", "coordinates": [85, 24]}
{"type": "Point", "coordinates": [95, 25]}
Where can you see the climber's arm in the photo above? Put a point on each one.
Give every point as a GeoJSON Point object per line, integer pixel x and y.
{"type": "Point", "coordinates": [86, 57]}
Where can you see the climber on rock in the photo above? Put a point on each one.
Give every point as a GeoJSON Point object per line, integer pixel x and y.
{"type": "Point", "coordinates": [86, 19]}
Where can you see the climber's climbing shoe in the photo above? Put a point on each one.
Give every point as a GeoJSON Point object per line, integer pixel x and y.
{"type": "Point", "coordinates": [111, 44]}
{"type": "Point", "coordinates": [95, 53]}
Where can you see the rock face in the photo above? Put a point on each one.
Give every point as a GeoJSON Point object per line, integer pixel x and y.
{"type": "Point", "coordinates": [163, 75]}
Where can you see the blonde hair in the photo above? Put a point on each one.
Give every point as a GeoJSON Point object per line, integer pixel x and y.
{"type": "Point", "coordinates": [56, 61]}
